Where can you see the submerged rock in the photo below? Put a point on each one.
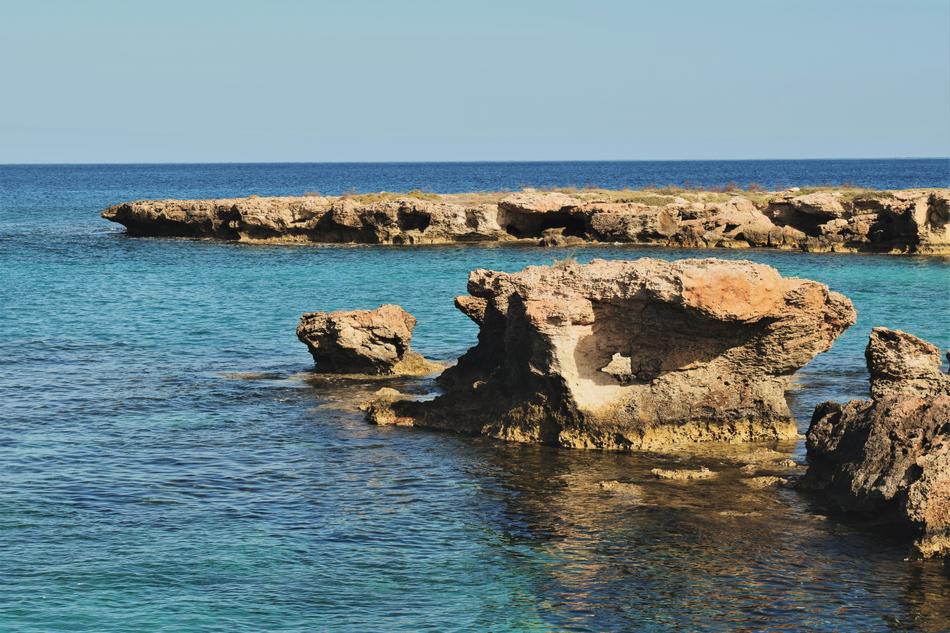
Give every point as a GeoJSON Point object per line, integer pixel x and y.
{"type": "Point", "coordinates": [782, 465]}
{"type": "Point", "coordinates": [890, 456]}
{"type": "Point", "coordinates": [683, 474]}
{"type": "Point", "coordinates": [765, 481]}
{"type": "Point", "coordinates": [363, 342]}
{"type": "Point", "coordinates": [623, 488]}
{"type": "Point", "coordinates": [387, 392]}
{"type": "Point", "coordinates": [631, 354]}
{"type": "Point", "coordinates": [739, 513]}
{"type": "Point", "coordinates": [904, 221]}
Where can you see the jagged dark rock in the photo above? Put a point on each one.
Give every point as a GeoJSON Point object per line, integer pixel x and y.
{"type": "Point", "coordinates": [890, 456]}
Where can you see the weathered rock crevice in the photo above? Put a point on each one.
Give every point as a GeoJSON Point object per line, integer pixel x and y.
{"type": "Point", "coordinates": [533, 225]}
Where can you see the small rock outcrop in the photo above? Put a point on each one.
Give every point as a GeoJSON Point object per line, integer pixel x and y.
{"type": "Point", "coordinates": [902, 221]}
{"type": "Point", "coordinates": [631, 354]}
{"type": "Point", "coordinates": [889, 456]}
{"type": "Point", "coordinates": [375, 342]}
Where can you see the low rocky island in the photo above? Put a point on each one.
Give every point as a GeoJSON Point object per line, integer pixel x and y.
{"type": "Point", "coordinates": [912, 221]}
{"type": "Point", "coordinates": [889, 457]}
{"type": "Point", "coordinates": [630, 354]}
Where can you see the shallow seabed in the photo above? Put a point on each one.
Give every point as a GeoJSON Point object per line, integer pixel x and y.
{"type": "Point", "coordinates": [167, 463]}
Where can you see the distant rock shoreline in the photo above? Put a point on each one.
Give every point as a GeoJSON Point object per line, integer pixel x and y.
{"type": "Point", "coordinates": [911, 221]}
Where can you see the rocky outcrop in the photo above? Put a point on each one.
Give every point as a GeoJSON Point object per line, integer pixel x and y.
{"type": "Point", "coordinates": [736, 223]}
{"type": "Point", "coordinates": [631, 354]}
{"type": "Point", "coordinates": [908, 221]}
{"type": "Point", "coordinates": [916, 221]}
{"type": "Point", "coordinates": [375, 342]}
{"type": "Point", "coordinates": [889, 456]}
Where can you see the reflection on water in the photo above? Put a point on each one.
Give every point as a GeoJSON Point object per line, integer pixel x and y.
{"type": "Point", "coordinates": [606, 545]}
{"type": "Point", "coordinates": [699, 554]}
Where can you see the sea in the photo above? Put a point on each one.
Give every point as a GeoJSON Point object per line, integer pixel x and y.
{"type": "Point", "coordinates": [168, 461]}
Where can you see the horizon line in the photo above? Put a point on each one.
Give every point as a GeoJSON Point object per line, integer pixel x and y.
{"type": "Point", "coordinates": [465, 162]}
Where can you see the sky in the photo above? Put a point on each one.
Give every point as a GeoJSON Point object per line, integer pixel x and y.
{"type": "Point", "coordinates": [443, 80]}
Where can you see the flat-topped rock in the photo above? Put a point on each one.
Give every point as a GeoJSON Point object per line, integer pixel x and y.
{"type": "Point", "coordinates": [889, 457]}
{"type": "Point", "coordinates": [386, 220]}
{"type": "Point", "coordinates": [902, 221]}
{"type": "Point", "coordinates": [631, 354]}
{"type": "Point", "coordinates": [538, 202]}
{"type": "Point", "coordinates": [373, 342]}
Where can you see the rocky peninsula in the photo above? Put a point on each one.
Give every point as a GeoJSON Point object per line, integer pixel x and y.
{"type": "Point", "coordinates": [912, 221]}
{"type": "Point", "coordinates": [630, 354]}
{"type": "Point", "coordinates": [889, 457]}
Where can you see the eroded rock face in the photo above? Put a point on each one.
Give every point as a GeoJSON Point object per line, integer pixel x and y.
{"type": "Point", "coordinates": [311, 219]}
{"type": "Point", "coordinates": [631, 354]}
{"type": "Point", "coordinates": [890, 456]}
{"type": "Point", "coordinates": [908, 221]}
{"type": "Point", "coordinates": [362, 341]}
{"type": "Point", "coordinates": [913, 220]}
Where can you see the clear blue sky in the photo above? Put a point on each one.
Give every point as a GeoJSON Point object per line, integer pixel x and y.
{"type": "Point", "coordinates": [353, 80]}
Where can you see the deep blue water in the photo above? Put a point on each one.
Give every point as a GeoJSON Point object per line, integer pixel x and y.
{"type": "Point", "coordinates": [54, 184]}
{"type": "Point", "coordinates": [166, 465]}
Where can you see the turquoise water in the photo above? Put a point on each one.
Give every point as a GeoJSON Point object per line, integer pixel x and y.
{"type": "Point", "coordinates": [167, 465]}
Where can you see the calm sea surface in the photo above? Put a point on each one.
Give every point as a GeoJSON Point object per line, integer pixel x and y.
{"type": "Point", "coordinates": [167, 465]}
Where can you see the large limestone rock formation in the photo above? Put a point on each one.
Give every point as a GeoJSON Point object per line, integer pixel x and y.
{"type": "Point", "coordinates": [890, 456]}
{"type": "Point", "coordinates": [909, 221]}
{"type": "Point", "coordinates": [631, 354]}
{"type": "Point", "coordinates": [363, 342]}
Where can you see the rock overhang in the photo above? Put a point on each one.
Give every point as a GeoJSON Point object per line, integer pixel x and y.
{"type": "Point", "coordinates": [634, 354]}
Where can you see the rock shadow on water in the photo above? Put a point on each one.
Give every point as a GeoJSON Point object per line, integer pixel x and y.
{"type": "Point", "coordinates": [609, 542]}
{"type": "Point", "coordinates": [352, 392]}
{"type": "Point", "coordinates": [606, 545]}
{"type": "Point", "coordinates": [346, 393]}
